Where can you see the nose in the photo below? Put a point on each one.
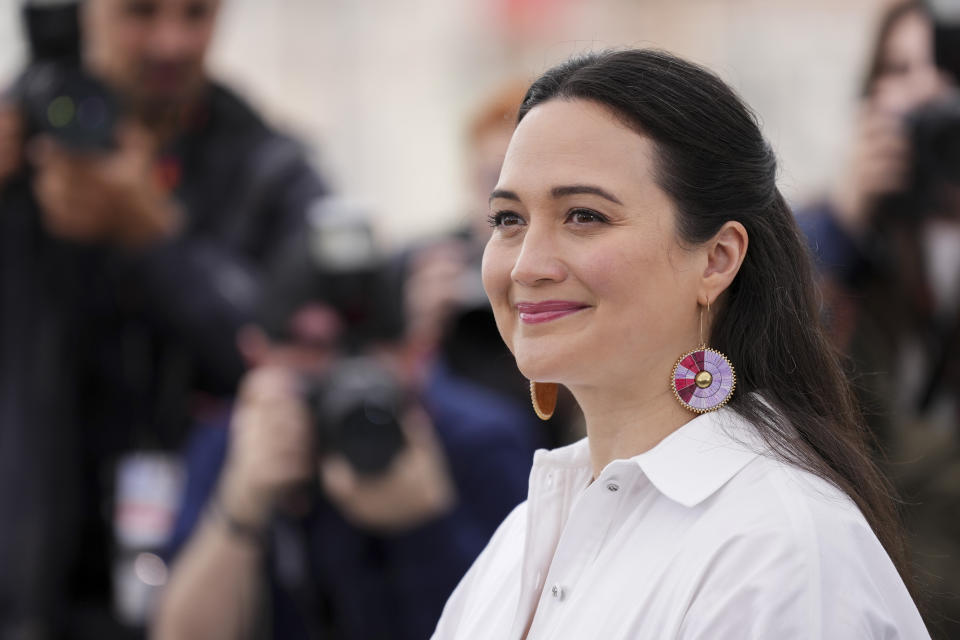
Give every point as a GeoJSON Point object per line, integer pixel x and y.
{"type": "Point", "coordinates": [540, 260]}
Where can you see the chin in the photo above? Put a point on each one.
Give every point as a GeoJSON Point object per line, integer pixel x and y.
{"type": "Point", "coordinates": [540, 367]}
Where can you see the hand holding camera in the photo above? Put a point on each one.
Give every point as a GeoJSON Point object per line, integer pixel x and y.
{"type": "Point", "coordinates": [414, 488]}
{"type": "Point", "coordinates": [879, 166]}
{"type": "Point", "coordinates": [882, 158]}
{"type": "Point", "coordinates": [433, 291]}
{"type": "Point", "coordinates": [271, 446]}
{"type": "Point", "coordinates": [273, 450]}
{"type": "Point", "coordinates": [107, 197]}
{"type": "Point", "coordinates": [905, 163]}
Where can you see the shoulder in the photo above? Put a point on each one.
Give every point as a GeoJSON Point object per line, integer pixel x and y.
{"type": "Point", "coordinates": [236, 126]}
{"type": "Point", "coordinates": [492, 581]}
{"type": "Point", "coordinates": [780, 511]}
{"type": "Point", "coordinates": [503, 554]}
{"type": "Point", "coordinates": [504, 551]}
{"type": "Point", "coordinates": [772, 494]}
{"type": "Point", "coordinates": [784, 536]}
{"type": "Point", "coordinates": [230, 111]}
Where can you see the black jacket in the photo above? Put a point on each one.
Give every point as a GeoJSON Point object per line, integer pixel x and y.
{"type": "Point", "coordinates": [103, 350]}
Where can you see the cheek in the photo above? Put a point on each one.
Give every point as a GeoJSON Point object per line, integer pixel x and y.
{"type": "Point", "coordinates": [124, 51]}
{"type": "Point", "coordinates": [194, 44]}
{"type": "Point", "coordinates": [641, 290]}
{"type": "Point", "coordinates": [630, 273]}
{"type": "Point", "coordinates": [495, 269]}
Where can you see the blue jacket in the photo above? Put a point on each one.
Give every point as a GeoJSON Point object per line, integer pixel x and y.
{"type": "Point", "coordinates": [358, 585]}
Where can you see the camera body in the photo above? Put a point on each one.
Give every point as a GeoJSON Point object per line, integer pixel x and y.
{"type": "Point", "coordinates": [356, 407]}
{"type": "Point", "coordinates": [356, 411]}
{"type": "Point", "coordinates": [57, 97]}
{"type": "Point", "coordinates": [934, 131]}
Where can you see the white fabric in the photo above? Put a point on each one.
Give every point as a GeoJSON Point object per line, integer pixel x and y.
{"type": "Point", "coordinates": [704, 536]}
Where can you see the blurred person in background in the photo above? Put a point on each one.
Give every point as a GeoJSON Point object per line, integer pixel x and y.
{"type": "Point", "coordinates": [447, 310]}
{"type": "Point", "coordinates": [888, 247]}
{"type": "Point", "coordinates": [372, 545]}
{"type": "Point", "coordinates": [137, 208]}
{"type": "Point", "coordinates": [450, 315]}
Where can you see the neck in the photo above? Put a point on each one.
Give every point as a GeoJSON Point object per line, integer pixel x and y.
{"type": "Point", "coordinates": [622, 422]}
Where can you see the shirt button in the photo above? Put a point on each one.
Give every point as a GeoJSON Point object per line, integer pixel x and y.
{"type": "Point", "coordinates": [557, 592]}
{"type": "Point", "coordinates": [613, 486]}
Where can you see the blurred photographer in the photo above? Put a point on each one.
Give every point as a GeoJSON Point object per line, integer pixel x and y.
{"type": "Point", "coordinates": [888, 245]}
{"type": "Point", "coordinates": [139, 201]}
{"type": "Point", "coordinates": [352, 484]}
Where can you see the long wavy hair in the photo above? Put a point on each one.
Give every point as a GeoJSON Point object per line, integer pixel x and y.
{"type": "Point", "coordinates": [714, 163]}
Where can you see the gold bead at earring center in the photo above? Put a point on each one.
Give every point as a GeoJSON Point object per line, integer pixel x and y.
{"type": "Point", "coordinates": [704, 379]}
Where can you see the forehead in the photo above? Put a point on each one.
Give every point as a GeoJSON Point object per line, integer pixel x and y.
{"type": "Point", "coordinates": [574, 142]}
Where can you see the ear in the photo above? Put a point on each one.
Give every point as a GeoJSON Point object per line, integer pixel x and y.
{"type": "Point", "coordinates": [253, 344]}
{"type": "Point", "coordinates": [725, 253]}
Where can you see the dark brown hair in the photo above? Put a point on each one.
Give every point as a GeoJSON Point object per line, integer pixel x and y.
{"type": "Point", "coordinates": [714, 163]}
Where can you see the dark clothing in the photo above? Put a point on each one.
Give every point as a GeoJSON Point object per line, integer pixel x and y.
{"type": "Point", "coordinates": [102, 350]}
{"type": "Point", "coordinates": [356, 585]}
{"type": "Point", "coordinates": [903, 346]}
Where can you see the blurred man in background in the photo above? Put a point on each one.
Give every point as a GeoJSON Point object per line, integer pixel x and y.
{"type": "Point", "coordinates": [354, 481]}
{"type": "Point", "coordinates": [888, 244]}
{"type": "Point", "coordinates": [130, 254]}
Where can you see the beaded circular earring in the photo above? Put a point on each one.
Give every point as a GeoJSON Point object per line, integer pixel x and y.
{"type": "Point", "coordinates": [703, 379]}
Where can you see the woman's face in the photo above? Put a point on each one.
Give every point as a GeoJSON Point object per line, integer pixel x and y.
{"type": "Point", "coordinates": [908, 75]}
{"type": "Point", "coordinates": [587, 280]}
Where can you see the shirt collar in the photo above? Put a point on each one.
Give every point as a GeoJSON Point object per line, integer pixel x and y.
{"type": "Point", "coordinates": [690, 464]}
{"type": "Point", "coordinates": [693, 462]}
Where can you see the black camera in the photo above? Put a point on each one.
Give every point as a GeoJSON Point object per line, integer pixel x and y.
{"type": "Point", "coordinates": [357, 406]}
{"type": "Point", "coordinates": [57, 96]}
{"type": "Point", "coordinates": [935, 172]}
{"type": "Point", "coordinates": [356, 411]}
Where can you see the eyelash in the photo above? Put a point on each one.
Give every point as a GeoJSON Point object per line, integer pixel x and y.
{"type": "Point", "coordinates": [496, 219]}
{"type": "Point", "coordinates": [597, 217]}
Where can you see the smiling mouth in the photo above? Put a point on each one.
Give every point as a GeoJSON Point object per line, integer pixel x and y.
{"type": "Point", "coordinates": [539, 312]}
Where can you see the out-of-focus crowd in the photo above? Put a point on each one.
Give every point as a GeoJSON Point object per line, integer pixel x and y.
{"type": "Point", "coordinates": [227, 412]}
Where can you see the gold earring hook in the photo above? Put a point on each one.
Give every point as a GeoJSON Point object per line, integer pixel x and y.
{"type": "Point", "coordinates": [702, 343]}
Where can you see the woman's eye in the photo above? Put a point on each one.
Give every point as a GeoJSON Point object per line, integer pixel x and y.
{"type": "Point", "coordinates": [505, 219]}
{"type": "Point", "coordinates": [585, 216]}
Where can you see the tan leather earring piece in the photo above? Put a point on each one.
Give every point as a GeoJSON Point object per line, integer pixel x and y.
{"type": "Point", "coordinates": [544, 398]}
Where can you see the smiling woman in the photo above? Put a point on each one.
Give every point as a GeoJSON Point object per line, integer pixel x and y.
{"type": "Point", "coordinates": [638, 195]}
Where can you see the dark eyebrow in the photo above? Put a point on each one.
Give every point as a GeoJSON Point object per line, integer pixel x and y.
{"type": "Point", "coordinates": [560, 192]}
{"type": "Point", "coordinates": [503, 193]}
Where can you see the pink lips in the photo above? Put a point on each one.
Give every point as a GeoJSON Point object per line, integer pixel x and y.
{"type": "Point", "coordinates": [537, 312]}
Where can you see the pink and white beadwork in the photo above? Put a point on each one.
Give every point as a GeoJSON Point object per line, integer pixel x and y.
{"type": "Point", "coordinates": [714, 395]}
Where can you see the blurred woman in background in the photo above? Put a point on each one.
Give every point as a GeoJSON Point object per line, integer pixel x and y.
{"type": "Point", "coordinates": [888, 249]}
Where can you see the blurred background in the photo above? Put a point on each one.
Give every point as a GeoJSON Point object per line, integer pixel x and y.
{"type": "Point", "coordinates": [381, 90]}
{"type": "Point", "coordinates": [214, 290]}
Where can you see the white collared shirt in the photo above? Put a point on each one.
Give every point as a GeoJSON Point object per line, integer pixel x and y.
{"type": "Point", "coordinates": [704, 536]}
